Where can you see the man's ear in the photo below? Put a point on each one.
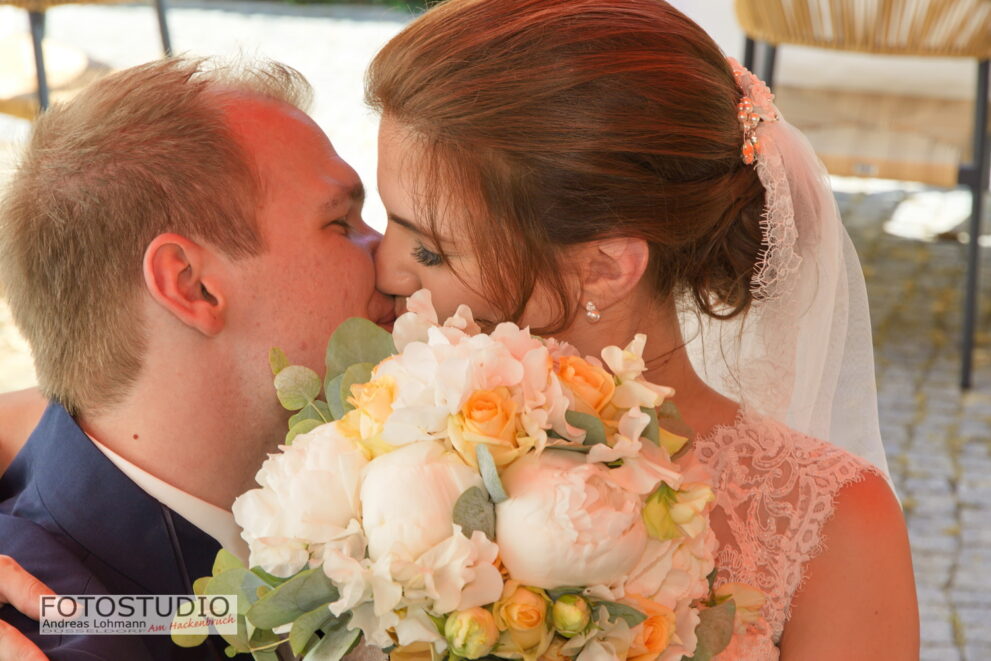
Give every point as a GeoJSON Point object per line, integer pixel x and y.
{"type": "Point", "coordinates": [179, 275]}
{"type": "Point", "coordinates": [613, 269]}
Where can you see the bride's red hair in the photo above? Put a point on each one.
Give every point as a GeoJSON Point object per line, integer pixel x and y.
{"type": "Point", "coordinates": [551, 123]}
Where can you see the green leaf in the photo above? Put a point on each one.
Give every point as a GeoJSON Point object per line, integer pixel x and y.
{"type": "Point", "coordinates": [618, 611]}
{"type": "Point", "coordinates": [199, 585]}
{"type": "Point", "coordinates": [474, 511]}
{"type": "Point", "coordinates": [669, 418]}
{"type": "Point", "coordinates": [336, 643]}
{"type": "Point", "coordinates": [306, 626]}
{"type": "Point", "coordinates": [595, 431]}
{"type": "Point", "coordinates": [294, 598]}
{"type": "Point", "coordinates": [303, 427]}
{"type": "Point", "coordinates": [652, 432]}
{"type": "Point", "coordinates": [557, 593]}
{"type": "Point", "coordinates": [187, 639]}
{"type": "Point", "coordinates": [273, 581]}
{"type": "Point", "coordinates": [711, 579]}
{"type": "Point", "coordinates": [490, 474]}
{"type": "Point", "coordinates": [715, 630]}
{"type": "Point", "coordinates": [583, 449]}
{"type": "Point", "coordinates": [359, 373]}
{"type": "Point", "coordinates": [239, 582]}
{"type": "Point", "coordinates": [231, 651]}
{"type": "Point", "coordinates": [297, 386]}
{"type": "Point", "coordinates": [332, 388]}
{"type": "Point", "coordinates": [277, 360]}
{"type": "Point", "coordinates": [357, 341]}
{"type": "Point", "coordinates": [315, 410]}
{"type": "Point", "coordinates": [226, 560]}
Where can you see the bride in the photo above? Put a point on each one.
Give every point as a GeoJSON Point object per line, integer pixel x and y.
{"type": "Point", "coordinates": [595, 169]}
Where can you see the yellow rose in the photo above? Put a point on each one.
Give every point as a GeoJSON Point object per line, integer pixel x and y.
{"type": "Point", "coordinates": [413, 652]}
{"type": "Point", "coordinates": [471, 633]}
{"type": "Point", "coordinates": [749, 603]}
{"type": "Point", "coordinates": [571, 614]}
{"type": "Point", "coordinates": [372, 404]}
{"type": "Point", "coordinates": [489, 417]}
{"type": "Point", "coordinates": [654, 634]}
{"type": "Point", "coordinates": [591, 385]}
{"type": "Point", "coordinates": [522, 612]}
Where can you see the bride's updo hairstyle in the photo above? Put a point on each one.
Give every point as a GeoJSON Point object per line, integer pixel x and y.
{"type": "Point", "coordinates": [549, 123]}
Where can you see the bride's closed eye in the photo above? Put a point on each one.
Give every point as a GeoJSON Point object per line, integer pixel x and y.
{"type": "Point", "coordinates": [341, 225]}
{"type": "Point", "coordinates": [427, 257]}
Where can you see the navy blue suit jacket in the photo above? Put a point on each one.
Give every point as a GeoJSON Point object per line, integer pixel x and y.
{"type": "Point", "coordinates": [72, 519]}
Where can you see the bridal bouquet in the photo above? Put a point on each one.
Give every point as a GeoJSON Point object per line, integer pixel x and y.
{"type": "Point", "coordinates": [464, 495]}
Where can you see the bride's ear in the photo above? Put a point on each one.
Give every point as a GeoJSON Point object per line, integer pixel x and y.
{"type": "Point", "coordinates": [180, 275]}
{"type": "Point", "coordinates": [612, 269]}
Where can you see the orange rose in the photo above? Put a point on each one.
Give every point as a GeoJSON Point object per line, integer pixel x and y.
{"type": "Point", "coordinates": [591, 385]}
{"type": "Point", "coordinates": [489, 417]}
{"type": "Point", "coordinates": [654, 634]}
{"type": "Point", "coordinates": [554, 653]}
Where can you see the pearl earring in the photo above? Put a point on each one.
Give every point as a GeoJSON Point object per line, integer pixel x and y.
{"type": "Point", "coordinates": [592, 312]}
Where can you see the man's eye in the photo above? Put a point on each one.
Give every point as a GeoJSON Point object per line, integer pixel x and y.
{"type": "Point", "coordinates": [427, 257]}
{"type": "Point", "coordinates": [342, 224]}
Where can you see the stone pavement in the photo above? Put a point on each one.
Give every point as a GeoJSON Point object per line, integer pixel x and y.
{"type": "Point", "coordinates": [937, 438]}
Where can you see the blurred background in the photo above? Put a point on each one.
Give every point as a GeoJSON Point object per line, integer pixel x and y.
{"type": "Point", "coordinates": [872, 115]}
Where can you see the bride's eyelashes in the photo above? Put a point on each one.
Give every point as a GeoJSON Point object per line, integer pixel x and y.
{"type": "Point", "coordinates": [425, 256]}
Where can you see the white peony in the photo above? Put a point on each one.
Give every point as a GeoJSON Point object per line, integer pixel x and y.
{"type": "Point", "coordinates": [408, 496]}
{"type": "Point", "coordinates": [308, 495]}
{"type": "Point", "coordinates": [566, 523]}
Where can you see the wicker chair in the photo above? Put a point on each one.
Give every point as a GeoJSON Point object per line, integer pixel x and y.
{"type": "Point", "coordinates": [36, 15]}
{"type": "Point", "coordinates": [928, 28]}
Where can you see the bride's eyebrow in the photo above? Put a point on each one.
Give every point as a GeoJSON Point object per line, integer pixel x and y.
{"type": "Point", "coordinates": [414, 228]}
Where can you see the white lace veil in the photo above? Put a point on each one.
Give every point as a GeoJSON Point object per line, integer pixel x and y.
{"type": "Point", "coordinates": [803, 353]}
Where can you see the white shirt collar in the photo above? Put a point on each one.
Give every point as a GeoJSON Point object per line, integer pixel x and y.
{"type": "Point", "coordinates": [214, 521]}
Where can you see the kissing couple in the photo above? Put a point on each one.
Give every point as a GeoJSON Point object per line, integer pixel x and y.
{"type": "Point", "coordinates": [590, 169]}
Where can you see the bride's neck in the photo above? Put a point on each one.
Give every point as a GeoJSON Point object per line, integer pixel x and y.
{"type": "Point", "coordinates": [665, 355]}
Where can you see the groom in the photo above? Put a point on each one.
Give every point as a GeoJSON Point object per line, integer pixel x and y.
{"type": "Point", "coordinates": [167, 227]}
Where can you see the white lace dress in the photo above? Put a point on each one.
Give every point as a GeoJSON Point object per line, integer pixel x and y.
{"type": "Point", "coordinates": [776, 489]}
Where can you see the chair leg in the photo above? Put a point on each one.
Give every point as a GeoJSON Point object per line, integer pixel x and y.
{"type": "Point", "coordinates": [978, 186]}
{"type": "Point", "coordinates": [770, 59]}
{"type": "Point", "coordinates": [37, 22]}
{"type": "Point", "coordinates": [163, 27]}
{"type": "Point", "coordinates": [748, 53]}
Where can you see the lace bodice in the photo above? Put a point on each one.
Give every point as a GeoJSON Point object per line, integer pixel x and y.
{"type": "Point", "coordinates": [776, 489]}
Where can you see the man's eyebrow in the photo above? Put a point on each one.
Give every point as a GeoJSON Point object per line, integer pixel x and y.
{"type": "Point", "coordinates": [356, 194]}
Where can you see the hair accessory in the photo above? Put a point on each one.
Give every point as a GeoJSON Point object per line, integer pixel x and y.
{"type": "Point", "coordinates": [756, 106]}
{"type": "Point", "coordinates": [592, 312]}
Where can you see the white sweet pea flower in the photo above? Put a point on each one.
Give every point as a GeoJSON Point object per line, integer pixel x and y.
{"type": "Point", "coordinates": [408, 497]}
{"type": "Point", "coordinates": [567, 523]}
{"type": "Point", "coordinates": [412, 326]}
{"type": "Point", "coordinates": [308, 495]}
{"type": "Point", "coordinates": [463, 320]}
{"type": "Point", "coordinates": [606, 641]}
{"type": "Point", "coordinates": [644, 466]}
{"type": "Point", "coordinates": [627, 364]}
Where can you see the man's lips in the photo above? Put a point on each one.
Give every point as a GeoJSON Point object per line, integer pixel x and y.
{"type": "Point", "coordinates": [387, 321]}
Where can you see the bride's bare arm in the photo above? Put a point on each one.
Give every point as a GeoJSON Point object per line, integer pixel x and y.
{"type": "Point", "coordinates": [19, 414]}
{"type": "Point", "coordinates": [859, 600]}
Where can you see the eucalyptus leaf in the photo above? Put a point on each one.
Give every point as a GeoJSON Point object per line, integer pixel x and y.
{"type": "Point", "coordinates": [265, 655]}
{"type": "Point", "coordinates": [272, 581]}
{"type": "Point", "coordinates": [306, 626]}
{"type": "Point", "coordinates": [315, 410]}
{"type": "Point", "coordinates": [188, 639]}
{"type": "Point", "coordinates": [304, 427]}
{"type": "Point", "coordinates": [230, 651]}
{"type": "Point", "coordinates": [669, 418]}
{"type": "Point", "coordinates": [277, 360]}
{"type": "Point", "coordinates": [239, 582]}
{"type": "Point", "coordinates": [335, 403]}
{"type": "Point", "coordinates": [715, 630]}
{"type": "Point", "coordinates": [264, 645]}
{"type": "Point", "coordinates": [225, 560]}
{"type": "Point", "coordinates": [557, 593]}
{"type": "Point", "coordinates": [490, 474]}
{"type": "Point", "coordinates": [595, 431]}
{"type": "Point", "coordinates": [359, 373]}
{"type": "Point", "coordinates": [336, 643]}
{"type": "Point", "coordinates": [617, 611]}
{"type": "Point", "coordinates": [652, 431]}
{"type": "Point", "coordinates": [294, 598]}
{"type": "Point", "coordinates": [583, 449]}
{"type": "Point", "coordinates": [474, 511]}
{"type": "Point", "coordinates": [199, 585]}
{"type": "Point", "coordinates": [355, 341]}
{"type": "Point", "coordinates": [296, 386]}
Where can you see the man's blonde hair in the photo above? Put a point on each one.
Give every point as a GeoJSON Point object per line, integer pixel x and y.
{"type": "Point", "coordinates": [141, 152]}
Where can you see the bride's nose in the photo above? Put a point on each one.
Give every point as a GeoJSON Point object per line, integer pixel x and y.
{"type": "Point", "coordinates": [392, 276]}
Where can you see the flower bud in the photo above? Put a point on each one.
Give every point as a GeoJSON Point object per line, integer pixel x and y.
{"type": "Point", "coordinates": [571, 615]}
{"type": "Point", "coordinates": [471, 633]}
